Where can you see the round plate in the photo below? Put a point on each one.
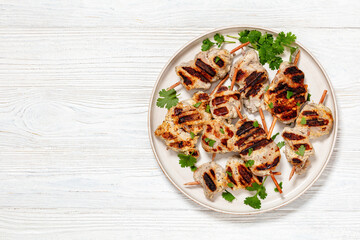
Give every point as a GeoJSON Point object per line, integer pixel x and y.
{"type": "Point", "coordinates": [317, 81]}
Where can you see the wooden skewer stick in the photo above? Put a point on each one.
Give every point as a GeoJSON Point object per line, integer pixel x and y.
{"type": "Point", "coordinates": [276, 183]}
{"type": "Point", "coordinates": [192, 183]}
{"type": "Point", "coordinates": [297, 57]}
{"type": "Point", "coordinates": [239, 113]}
{"type": "Point", "coordinates": [320, 102]}
{"type": "Point", "coordinates": [238, 47]}
{"type": "Point", "coordinates": [213, 156]}
{"type": "Point", "coordinates": [219, 85]}
{"type": "Point", "coordinates": [174, 85]}
{"type": "Point", "coordinates": [271, 127]}
{"type": "Point", "coordinates": [233, 79]}
{"type": "Point", "coordinates": [263, 120]}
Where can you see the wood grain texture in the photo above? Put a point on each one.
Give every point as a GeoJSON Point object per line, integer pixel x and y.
{"type": "Point", "coordinates": [75, 83]}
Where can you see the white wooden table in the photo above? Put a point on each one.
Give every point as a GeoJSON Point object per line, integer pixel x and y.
{"type": "Point", "coordinates": [75, 82]}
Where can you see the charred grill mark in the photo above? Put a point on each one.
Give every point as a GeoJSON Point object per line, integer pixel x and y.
{"type": "Point", "coordinates": [231, 177]}
{"type": "Point", "coordinates": [310, 113]}
{"type": "Point", "coordinates": [297, 146]}
{"type": "Point", "coordinates": [203, 96]}
{"type": "Point", "coordinates": [207, 68]}
{"type": "Point", "coordinates": [292, 136]}
{"type": "Point", "coordinates": [212, 172]}
{"type": "Point", "coordinates": [298, 78]}
{"type": "Point", "coordinates": [267, 166]}
{"type": "Point", "coordinates": [239, 75]}
{"type": "Point", "coordinates": [209, 182]}
{"type": "Point", "coordinates": [255, 134]}
{"type": "Point", "coordinates": [187, 81]}
{"type": "Point", "coordinates": [222, 89]}
{"type": "Point", "coordinates": [292, 70]}
{"type": "Point", "coordinates": [317, 122]}
{"type": "Point", "coordinates": [296, 161]}
{"type": "Point", "coordinates": [221, 111]}
{"type": "Point", "coordinates": [208, 128]}
{"type": "Point", "coordinates": [286, 116]}
{"type": "Point", "coordinates": [229, 132]}
{"type": "Point", "coordinates": [254, 78]}
{"type": "Point", "coordinates": [224, 141]}
{"type": "Point", "coordinates": [196, 74]}
{"type": "Point", "coordinates": [180, 145]}
{"type": "Point", "coordinates": [189, 118]}
{"type": "Point", "coordinates": [245, 174]}
{"type": "Point", "coordinates": [218, 61]}
{"type": "Point", "coordinates": [245, 127]}
{"type": "Point", "coordinates": [223, 99]}
{"type": "Point", "coordinates": [256, 145]}
{"type": "Point", "coordinates": [178, 111]}
{"type": "Point", "coordinates": [168, 136]}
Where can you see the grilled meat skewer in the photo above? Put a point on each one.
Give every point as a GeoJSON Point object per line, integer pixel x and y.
{"type": "Point", "coordinates": [224, 102]}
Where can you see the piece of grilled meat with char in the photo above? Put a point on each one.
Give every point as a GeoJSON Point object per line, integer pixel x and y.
{"type": "Point", "coordinates": [288, 82]}
{"type": "Point", "coordinates": [224, 102]}
{"type": "Point", "coordinates": [217, 136]}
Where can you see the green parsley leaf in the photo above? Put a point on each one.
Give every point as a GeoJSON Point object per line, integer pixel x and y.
{"type": "Point", "coordinates": [289, 94]}
{"type": "Point", "coordinates": [197, 104]}
{"type": "Point", "coordinates": [219, 39]}
{"type": "Point", "coordinates": [308, 97]}
{"type": "Point", "coordinates": [303, 121]}
{"type": "Point", "coordinates": [167, 99]}
{"type": "Point", "coordinates": [229, 173]}
{"type": "Point", "coordinates": [193, 168]}
{"type": "Point", "coordinates": [281, 144]}
{"type": "Point", "coordinates": [228, 196]}
{"type": "Point", "coordinates": [249, 163]}
{"type": "Point", "coordinates": [271, 105]}
{"type": "Point", "coordinates": [210, 142]}
{"type": "Point", "coordinates": [274, 136]}
{"type": "Point", "coordinates": [207, 44]}
{"type": "Point", "coordinates": [301, 150]}
{"type": "Point", "coordinates": [222, 131]}
{"type": "Point", "coordinates": [207, 109]}
{"type": "Point", "coordinates": [297, 104]}
{"type": "Point", "coordinates": [253, 202]}
{"type": "Point", "coordinates": [216, 59]}
{"type": "Point", "coordinates": [267, 88]}
{"type": "Point", "coordinates": [256, 124]}
{"type": "Point", "coordinates": [230, 184]}
{"type": "Point", "coordinates": [250, 151]}
{"type": "Point", "coordinates": [276, 190]}
{"type": "Point", "coordinates": [192, 135]}
{"type": "Point", "coordinates": [186, 160]}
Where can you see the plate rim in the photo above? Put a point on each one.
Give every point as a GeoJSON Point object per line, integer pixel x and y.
{"type": "Point", "coordinates": [152, 99]}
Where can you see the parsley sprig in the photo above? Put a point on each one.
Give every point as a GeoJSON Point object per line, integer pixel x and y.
{"type": "Point", "coordinates": [168, 98]}
{"type": "Point", "coordinates": [269, 48]}
{"type": "Point", "coordinates": [228, 196]}
{"type": "Point", "coordinates": [301, 150]}
{"type": "Point", "coordinates": [187, 161]}
{"type": "Point", "coordinates": [254, 201]}
{"type": "Point", "coordinates": [219, 39]}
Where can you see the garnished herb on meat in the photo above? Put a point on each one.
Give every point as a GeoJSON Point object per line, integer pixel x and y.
{"type": "Point", "coordinates": [249, 163]}
{"type": "Point", "coordinates": [186, 160]}
{"type": "Point", "coordinates": [167, 99]}
{"type": "Point", "coordinates": [197, 104]}
{"type": "Point", "coordinates": [250, 151]}
{"type": "Point", "coordinates": [207, 109]}
{"type": "Point", "coordinates": [308, 97]}
{"type": "Point", "coordinates": [229, 173]}
{"type": "Point", "coordinates": [254, 201]}
{"type": "Point", "coordinates": [281, 144]}
{"type": "Point", "coordinates": [297, 104]}
{"type": "Point", "coordinates": [216, 59]}
{"type": "Point", "coordinates": [276, 190]}
{"type": "Point", "coordinates": [193, 168]}
{"type": "Point", "coordinates": [289, 94]}
{"type": "Point", "coordinates": [301, 150]}
{"type": "Point", "coordinates": [274, 136]}
{"type": "Point", "coordinates": [231, 185]}
{"type": "Point", "coordinates": [222, 131]}
{"type": "Point", "coordinates": [220, 39]}
{"type": "Point", "coordinates": [192, 135]}
{"type": "Point", "coordinates": [207, 44]}
{"type": "Point", "coordinates": [210, 142]}
{"type": "Point", "coordinates": [271, 105]}
{"type": "Point", "coordinates": [228, 196]}
{"type": "Point", "coordinates": [269, 48]}
{"type": "Point", "coordinates": [256, 124]}
{"type": "Point", "coordinates": [267, 88]}
{"type": "Point", "coordinates": [303, 121]}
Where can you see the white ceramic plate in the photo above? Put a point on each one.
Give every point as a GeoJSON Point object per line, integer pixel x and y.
{"type": "Point", "coordinates": [317, 81]}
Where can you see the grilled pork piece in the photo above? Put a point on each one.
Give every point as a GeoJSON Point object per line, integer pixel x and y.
{"type": "Point", "coordinates": [252, 79]}
{"type": "Point", "coordinates": [294, 139]}
{"type": "Point", "coordinates": [183, 119]}
{"type": "Point", "coordinates": [252, 144]}
{"type": "Point", "coordinates": [211, 176]}
{"type": "Point", "coordinates": [319, 120]}
{"type": "Point", "coordinates": [224, 102]}
{"type": "Point", "coordinates": [287, 93]}
{"type": "Point", "coordinates": [208, 66]}
{"type": "Point", "coordinates": [238, 174]}
{"type": "Point", "coordinates": [217, 136]}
